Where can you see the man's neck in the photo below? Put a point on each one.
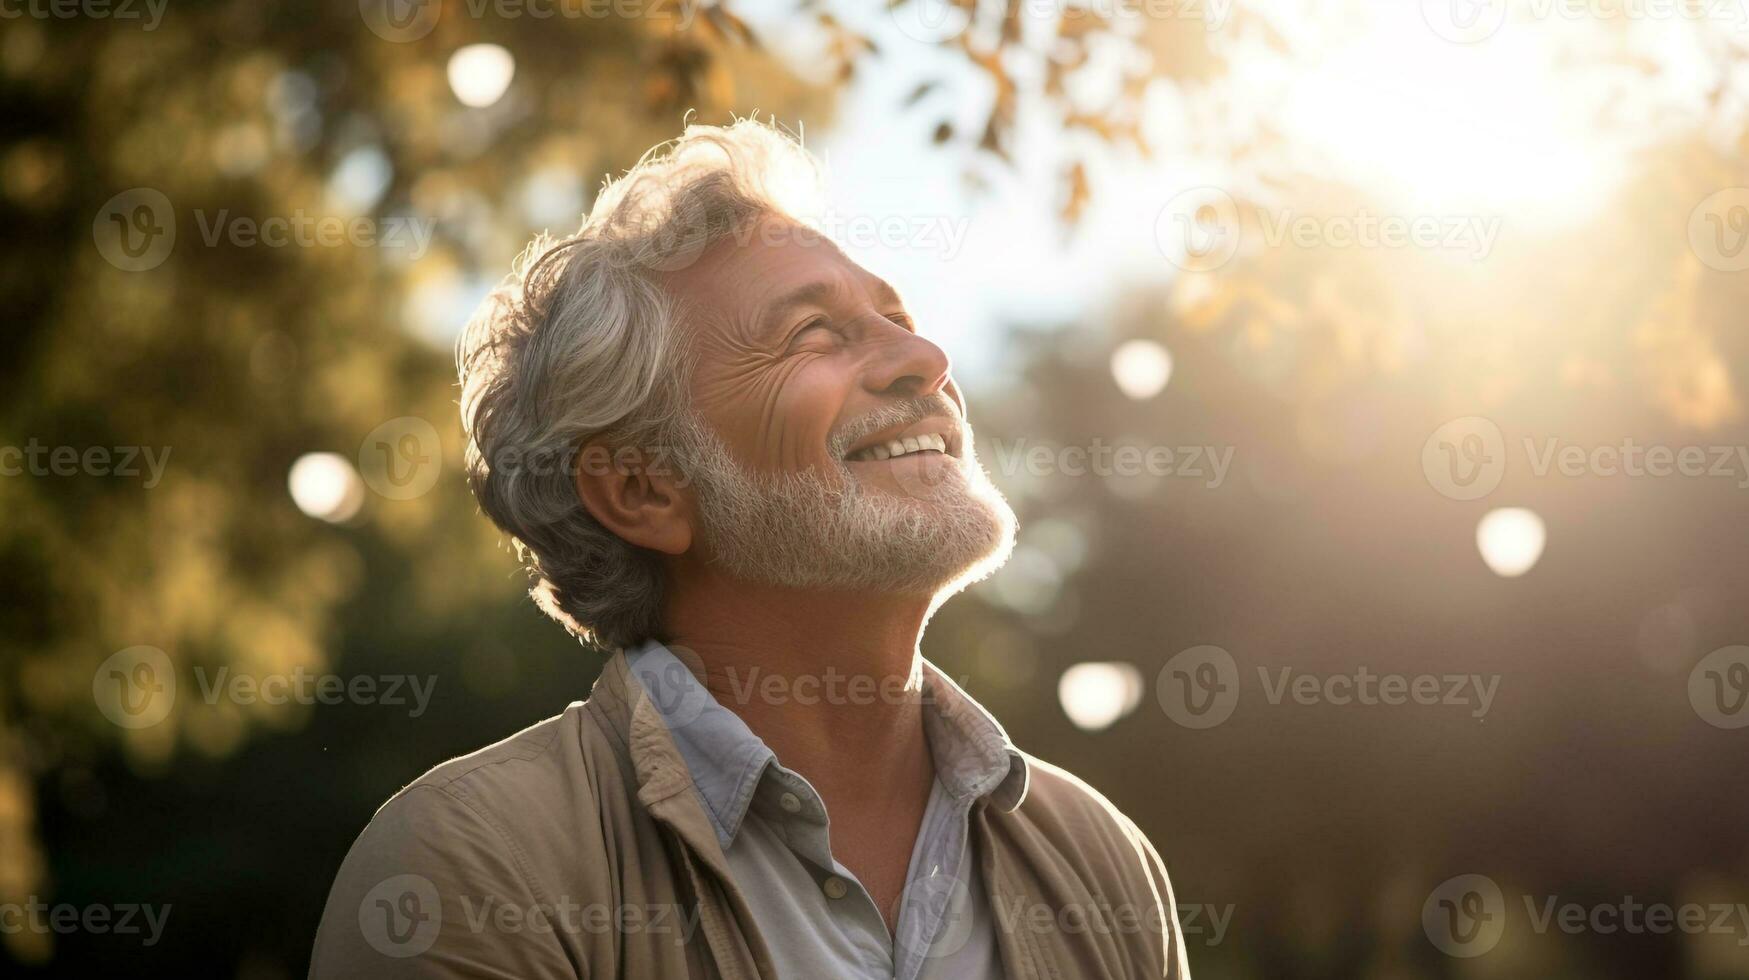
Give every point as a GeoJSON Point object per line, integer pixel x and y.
{"type": "Point", "coordinates": [832, 682]}
{"type": "Point", "coordinates": [826, 679]}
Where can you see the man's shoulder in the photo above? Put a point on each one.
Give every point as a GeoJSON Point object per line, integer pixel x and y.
{"type": "Point", "coordinates": [510, 812]}
{"type": "Point", "coordinates": [515, 824]}
{"type": "Point", "coordinates": [1067, 847]}
{"type": "Point", "coordinates": [1062, 814]}
{"type": "Point", "coordinates": [552, 766]}
{"type": "Point", "coordinates": [1059, 797]}
{"type": "Point", "coordinates": [528, 754]}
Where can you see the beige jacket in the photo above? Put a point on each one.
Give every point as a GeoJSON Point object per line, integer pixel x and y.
{"type": "Point", "coordinates": [576, 848]}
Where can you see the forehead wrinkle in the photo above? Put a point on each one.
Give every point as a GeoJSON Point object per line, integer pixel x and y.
{"type": "Point", "coordinates": [735, 350]}
{"type": "Point", "coordinates": [834, 289]}
{"type": "Point", "coordinates": [883, 290]}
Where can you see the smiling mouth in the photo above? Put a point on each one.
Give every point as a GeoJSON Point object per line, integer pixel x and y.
{"type": "Point", "coordinates": [908, 446]}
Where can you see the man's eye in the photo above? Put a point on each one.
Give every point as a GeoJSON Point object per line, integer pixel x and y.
{"type": "Point", "coordinates": [811, 333]}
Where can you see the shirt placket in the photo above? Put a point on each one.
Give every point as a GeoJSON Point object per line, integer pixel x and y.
{"type": "Point", "coordinates": [936, 885]}
{"type": "Point", "coordinates": [802, 820]}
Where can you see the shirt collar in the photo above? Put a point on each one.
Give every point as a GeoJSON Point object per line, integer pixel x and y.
{"type": "Point", "coordinates": [973, 756]}
{"type": "Point", "coordinates": [723, 756]}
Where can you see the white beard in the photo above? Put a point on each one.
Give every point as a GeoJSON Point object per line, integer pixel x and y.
{"type": "Point", "coordinates": [810, 531]}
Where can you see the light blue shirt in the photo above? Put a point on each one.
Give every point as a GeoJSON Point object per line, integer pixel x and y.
{"type": "Point", "coordinates": [817, 919]}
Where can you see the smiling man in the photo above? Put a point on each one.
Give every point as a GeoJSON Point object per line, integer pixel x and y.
{"type": "Point", "coordinates": [727, 454]}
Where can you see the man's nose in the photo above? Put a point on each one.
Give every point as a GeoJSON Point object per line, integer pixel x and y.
{"type": "Point", "coordinates": [907, 365]}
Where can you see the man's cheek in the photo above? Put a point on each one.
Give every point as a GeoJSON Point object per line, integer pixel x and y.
{"type": "Point", "coordinates": [768, 420]}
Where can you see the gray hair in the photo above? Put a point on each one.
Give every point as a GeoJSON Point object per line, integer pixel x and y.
{"type": "Point", "coordinates": [580, 343]}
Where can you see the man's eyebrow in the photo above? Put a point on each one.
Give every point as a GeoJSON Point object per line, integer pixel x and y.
{"type": "Point", "coordinates": [886, 292]}
{"type": "Point", "coordinates": [819, 293]}
{"type": "Point", "coordinates": [811, 294]}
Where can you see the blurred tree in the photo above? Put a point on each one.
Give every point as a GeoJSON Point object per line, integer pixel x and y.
{"type": "Point", "coordinates": [234, 357]}
{"type": "Point", "coordinates": [230, 360]}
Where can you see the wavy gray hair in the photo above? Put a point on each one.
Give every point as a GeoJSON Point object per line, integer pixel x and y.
{"type": "Point", "coordinates": [580, 343]}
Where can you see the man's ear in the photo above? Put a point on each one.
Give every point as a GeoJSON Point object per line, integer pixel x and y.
{"type": "Point", "coordinates": [637, 495]}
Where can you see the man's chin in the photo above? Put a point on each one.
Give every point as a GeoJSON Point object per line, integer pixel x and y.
{"type": "Point", "coordinates": [980, 569]}
{"type": "Point", "coordinates": [922, 527]}
{"type": "Point", "coordinates": [970, 535]}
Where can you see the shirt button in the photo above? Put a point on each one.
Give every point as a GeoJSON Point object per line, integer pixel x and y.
{"type": "Point", "coordinates": [790, 802]}
{"type": "Point", "coordinates": [835, 887]}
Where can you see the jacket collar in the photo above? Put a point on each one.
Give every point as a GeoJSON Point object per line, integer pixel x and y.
{"type": "Point", "coordinates": [650, 697]}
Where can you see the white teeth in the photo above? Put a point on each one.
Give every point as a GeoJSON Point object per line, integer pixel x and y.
{"type": "Point", "coordinates": [901, 447]}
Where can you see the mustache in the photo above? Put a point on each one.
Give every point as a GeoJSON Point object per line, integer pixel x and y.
{"type": "Point", "coordinates": [905, 412]}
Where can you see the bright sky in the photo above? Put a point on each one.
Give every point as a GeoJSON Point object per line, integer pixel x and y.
{"type": "Point", "coordinates": [1531, 119]}
{"type": "Point", "coordinates": [1535, 122]}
